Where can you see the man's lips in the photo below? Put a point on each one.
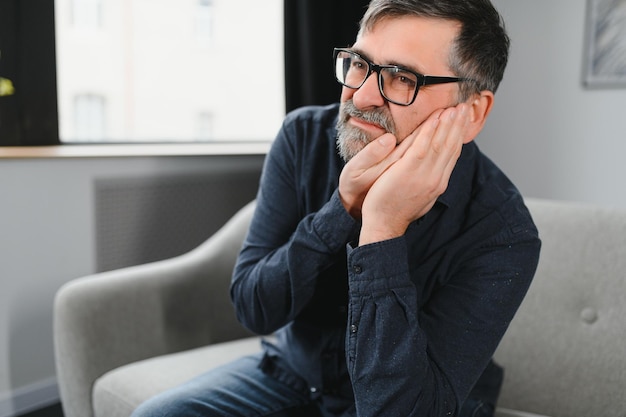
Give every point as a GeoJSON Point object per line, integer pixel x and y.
{"type": "Point", "coordinates": [366, 126]}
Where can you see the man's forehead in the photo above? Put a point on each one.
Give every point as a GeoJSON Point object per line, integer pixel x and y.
{"type": "Point", "coordinates": [412, 42]}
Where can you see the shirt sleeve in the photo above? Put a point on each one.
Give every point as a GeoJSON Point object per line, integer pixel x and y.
{"type": "Point", "coordinates": [284, 250]}
{"type": "Point", "coordinates": [407, 359]}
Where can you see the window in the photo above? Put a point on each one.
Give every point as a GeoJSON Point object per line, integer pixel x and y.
{"type": "Point", "coordinates": [154, 63]}
{"type": "Point", "coordinates": [89, 118]}
{"type": "Point", "coordinates": [204, 21]}
{"type": "Point", "coordinates": [86, 14]}
{"type": "Point", "coordinates": [149, 67]}
{"type": "Point", "coordinates": [204, 127]}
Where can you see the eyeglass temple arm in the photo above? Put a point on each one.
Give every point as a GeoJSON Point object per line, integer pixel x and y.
{"type": "Point", "coordinates": [430, 80]}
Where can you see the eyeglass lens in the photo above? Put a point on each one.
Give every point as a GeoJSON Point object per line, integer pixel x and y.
{"type": "Point", "coordinates": [395, 84]}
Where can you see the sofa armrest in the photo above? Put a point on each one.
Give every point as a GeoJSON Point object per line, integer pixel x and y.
{"type": "Point", "coordinates": [114, 318]}
{"type": "Point", "coordinates": [504, 412]}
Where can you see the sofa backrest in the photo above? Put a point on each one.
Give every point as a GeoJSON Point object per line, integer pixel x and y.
{"type": "Point", "coordinates": [564, 353]}
{"type": "Point", "coordinates": [228, 241]}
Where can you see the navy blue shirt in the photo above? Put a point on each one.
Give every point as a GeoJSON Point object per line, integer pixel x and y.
{"type": "Point", "coordinates": [403, 327]}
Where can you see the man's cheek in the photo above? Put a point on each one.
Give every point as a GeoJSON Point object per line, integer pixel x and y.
{"type": "Point", "coordinates": [406, 129]}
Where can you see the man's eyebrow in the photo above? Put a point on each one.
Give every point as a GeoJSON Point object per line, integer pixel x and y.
{"type": "Point", "coordinates": [360, 52]}
{"type": "Point", "coordinates": [408, 67]}
{"type": "Point", "coordinates": [394, 63]}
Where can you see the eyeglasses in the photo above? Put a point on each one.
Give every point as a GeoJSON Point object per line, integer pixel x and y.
{"type": "Point", "coordinates": [396, 84]}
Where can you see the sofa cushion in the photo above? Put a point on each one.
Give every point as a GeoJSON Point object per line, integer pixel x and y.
{"type": "Point", "coordinates": [118, 392]}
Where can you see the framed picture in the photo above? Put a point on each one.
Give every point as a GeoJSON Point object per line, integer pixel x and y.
{"type": "Point", "coordinates": [605, 55]}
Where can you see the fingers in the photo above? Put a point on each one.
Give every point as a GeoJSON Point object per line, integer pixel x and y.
{"type": "Point", "coordinates": [451, 129]}
{"type": "Point", "coordinates": [367, 165]}
{"type": "Point", "coordinates": [363, 170]}
{"type": "Point", "coordinates": [374, 153]}
{"type": "Point", "coordinates": [448, 141]}
{"type": "Point", "coordinates": [440, 138]}
{"type": "Point", "coordinates": [445, 148]}
{"type": "Point", "coordinates": [420, 140]}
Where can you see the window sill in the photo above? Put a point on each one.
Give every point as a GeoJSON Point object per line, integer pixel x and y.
{"type": "Point", "coordinates": [135, 150]}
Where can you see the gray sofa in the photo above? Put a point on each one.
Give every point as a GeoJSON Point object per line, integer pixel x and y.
{"type": "Point", "coordinates": [125, 335]}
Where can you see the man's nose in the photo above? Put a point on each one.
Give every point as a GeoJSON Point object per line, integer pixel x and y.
{"type": "Point", "coordinates": [368, 95]}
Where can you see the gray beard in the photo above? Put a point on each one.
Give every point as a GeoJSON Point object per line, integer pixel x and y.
{"type": "Point", "coordinates": [350, 139]}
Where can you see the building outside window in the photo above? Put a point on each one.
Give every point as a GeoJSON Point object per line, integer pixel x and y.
{"type": "Point", "coordinates": [89, 118]}
{"type": "Point", "coordinates": [86, 14]}
{"type": "Point", "coordinates": [204, 127]}
{"type": "Point", "coordinates": [204, 21]}
{"type": "Point", "coordinates": [155, 63]}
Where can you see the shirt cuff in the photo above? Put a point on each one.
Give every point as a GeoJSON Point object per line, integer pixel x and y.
{"type": "Point", "coordinates": [378, 266]}
{"type": "Point", "coordinates": [334, 225]}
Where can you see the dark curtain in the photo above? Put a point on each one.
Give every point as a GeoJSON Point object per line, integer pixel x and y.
{"type": "Point", "coordinates": [312, 29]}
{"type": "Point", "coordinates": [29, 116]}
{"type": "Point", "coordinates": [27, 43]}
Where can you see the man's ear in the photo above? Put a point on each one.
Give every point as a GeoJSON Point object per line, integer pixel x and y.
{"type": "Point", "coordinates": [480, 107]}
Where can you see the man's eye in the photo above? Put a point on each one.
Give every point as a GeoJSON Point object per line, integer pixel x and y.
{"type": "Point", "coordinates": [358, 64]}
{"type": "Point", "coordinates": [402, 79]}
{"type": "Point", "coordinates": [408, 81]}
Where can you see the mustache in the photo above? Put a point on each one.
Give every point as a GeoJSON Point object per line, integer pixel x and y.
{"type": "Point", "coordinates": [379, 116]}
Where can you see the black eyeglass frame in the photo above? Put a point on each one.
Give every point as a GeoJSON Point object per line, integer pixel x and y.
{"type": "Point", "coordinates": [422, 80]}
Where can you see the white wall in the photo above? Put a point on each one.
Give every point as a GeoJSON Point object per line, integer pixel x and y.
{"type": "Point", "coordinates": [47, 237]}
{"type": "Point", "coordinates": [553, 137]}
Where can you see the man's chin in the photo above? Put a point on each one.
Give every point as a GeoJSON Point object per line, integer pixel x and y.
{"type": "Point", "coordinates": [348, 151]}
{"type": "Point", "coordinates": [351, 141]}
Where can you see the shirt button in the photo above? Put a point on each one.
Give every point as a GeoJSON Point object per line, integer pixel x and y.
{"type": "Point", "coordinates": [313, 390]}
{"type": "Point", "coordinates": [357, 269]}
{"type": "Point", "coordinates": [354, 328]}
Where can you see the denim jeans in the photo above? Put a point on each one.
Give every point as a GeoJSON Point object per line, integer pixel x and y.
{"type": "Point", "coordinates": [243, 389]}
